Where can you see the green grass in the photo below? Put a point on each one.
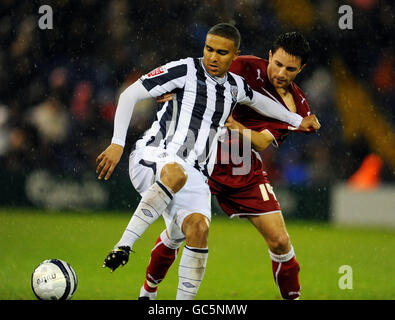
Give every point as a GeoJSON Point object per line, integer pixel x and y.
{"type": "Point", "coordinates": [238, 267]}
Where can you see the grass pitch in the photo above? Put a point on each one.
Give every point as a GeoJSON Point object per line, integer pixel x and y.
{"type": "Point", "coordinates": [238, 268]}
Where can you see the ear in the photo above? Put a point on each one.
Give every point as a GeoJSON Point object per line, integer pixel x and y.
{"type": "Point", "coordinates": [270, 55]}
{"type": "Point", "coordinates": [236, 55]}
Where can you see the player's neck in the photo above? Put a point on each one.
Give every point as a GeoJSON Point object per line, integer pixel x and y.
{"type": "Point", "coordinates": [282, 91]}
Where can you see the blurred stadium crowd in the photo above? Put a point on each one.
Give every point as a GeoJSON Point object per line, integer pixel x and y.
{"type": "Point", "coordinates": [59, 87]}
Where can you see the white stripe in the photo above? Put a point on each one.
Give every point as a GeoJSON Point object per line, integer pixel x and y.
{"type": "Point", "coordinates": [253, 214]}
{"type": "Point", "coordinates": [274, 143]}
{"type": "Point", "coordinates": [156, 245]}
{"type": "Point", "coordinates": [277, 272]}
{"type": "Point", "coordinates": [172, 126]}
{"type": "Point", "coordinates": [282, 257]}
{"type": "Point", "coordinates": [271, 96]}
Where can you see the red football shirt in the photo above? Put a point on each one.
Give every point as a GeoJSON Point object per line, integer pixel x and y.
{"type": "Point", "coordinates": [254, 71]}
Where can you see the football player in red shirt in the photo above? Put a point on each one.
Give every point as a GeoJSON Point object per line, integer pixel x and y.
{"type": "Point", "coordinates": [250, 194]}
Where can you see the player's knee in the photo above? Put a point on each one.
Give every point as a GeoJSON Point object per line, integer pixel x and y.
{"type": "Point", "coordinates": [280, 243]}
{"type": "Point", "coordinates": [196, 228]}
{"type": "Point", "coordinates": [173, 176]}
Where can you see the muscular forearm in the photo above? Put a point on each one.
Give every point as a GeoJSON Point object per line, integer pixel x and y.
{"type": "Point", "coordinates": [127, 100]}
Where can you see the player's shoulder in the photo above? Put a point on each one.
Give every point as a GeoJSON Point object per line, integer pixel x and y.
{"type": "Point", "coordinates": [299, 91]}
{"type": "Point", "coordinates": [252, 61]}
{"type": "Point", "coordinates": [184, 61]}
{"type": "Point", "coordinates": [239, 80]}
{"type": "Point", "coordinates": [175, 68]}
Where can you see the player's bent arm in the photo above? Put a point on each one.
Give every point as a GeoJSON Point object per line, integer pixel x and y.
{"type": "Point", "coordinates": [268, 107]}
{"type": "Point", "coordinates": [259, 140]}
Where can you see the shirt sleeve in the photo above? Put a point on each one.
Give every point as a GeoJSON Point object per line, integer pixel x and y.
{"type": "Point", "coordinates": [165, 78]}
{"type": "Point", "coordinates": [266, 106]}
{"type": "Point", "coordinates": [127, 100]}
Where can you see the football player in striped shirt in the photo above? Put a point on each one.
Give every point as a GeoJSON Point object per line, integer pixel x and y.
{"type": "Point", "coordinates": [245, 191]}
{"type": "Point", "coordinates": [171, 163]}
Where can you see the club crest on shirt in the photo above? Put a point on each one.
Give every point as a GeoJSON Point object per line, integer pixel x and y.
{"type": "Point", "coordinates": [233, 92]}
{"type": "Point", "coordinates": [156, 72]}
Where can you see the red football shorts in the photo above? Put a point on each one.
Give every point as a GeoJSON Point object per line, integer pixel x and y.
{"type": "Point", "coordinates": [256, 198]}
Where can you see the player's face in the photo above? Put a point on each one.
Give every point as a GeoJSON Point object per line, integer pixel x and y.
{"type": "Point", "coordinates": [218, 55]}
{"type": "Point", "coordinates": [283, 68]}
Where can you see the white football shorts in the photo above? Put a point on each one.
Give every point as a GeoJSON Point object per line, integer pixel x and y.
{"type": "Point", "coordinates": [145, 165]}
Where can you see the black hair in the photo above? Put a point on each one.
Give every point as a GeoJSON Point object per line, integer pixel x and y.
{"type": "Point", "coordinates": [293, 43]}
{"type": "Point", "coordinates": [228, 31]}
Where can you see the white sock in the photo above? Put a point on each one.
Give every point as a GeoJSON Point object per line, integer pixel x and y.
{"type": "Point", "coordinates": [281, 258]}
{"type": "Point", "coordinates": [152, 204]}
{"type": "Point", "coordinates": [191, 272]}
{"type": "Point", "coordinates": [145, 293]}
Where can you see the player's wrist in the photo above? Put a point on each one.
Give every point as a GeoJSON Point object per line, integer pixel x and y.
{"type": "Point", "coordinates": [295, 119]}
{"type": "Point", "coordinates": [118, 142]}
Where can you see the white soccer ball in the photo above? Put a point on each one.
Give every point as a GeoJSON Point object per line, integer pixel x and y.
{"type": "Point", "coordinates": [54, 280]}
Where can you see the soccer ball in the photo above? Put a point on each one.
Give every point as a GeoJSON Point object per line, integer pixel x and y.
{"type": "Point", "coordinates": [54, 280]}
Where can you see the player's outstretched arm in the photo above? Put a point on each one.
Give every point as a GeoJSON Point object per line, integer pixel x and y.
{"type": "Point", "coordinates": [270, 108]}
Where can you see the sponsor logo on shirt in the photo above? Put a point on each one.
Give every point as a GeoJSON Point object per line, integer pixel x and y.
{"type": "Point", "coordinates": [156, 72]}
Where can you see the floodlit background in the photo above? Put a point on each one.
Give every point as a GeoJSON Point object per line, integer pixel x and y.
{"type": "Point", "coordinates": [58, 93]}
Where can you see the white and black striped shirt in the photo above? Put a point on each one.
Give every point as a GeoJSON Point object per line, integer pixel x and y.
{"type": "Point", "coordinates": [190, 124]}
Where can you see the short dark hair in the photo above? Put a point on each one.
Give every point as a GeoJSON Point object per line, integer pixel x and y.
{"type": "Point", "coordinates": [228, 31]}
{"type": "Point", "coordinates": [293, 43]}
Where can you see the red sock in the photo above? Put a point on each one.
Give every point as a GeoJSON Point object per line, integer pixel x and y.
{"type": "Point", "coordinates": [286, 275]}
{"type": "Point", "coordinates": [161, 260]}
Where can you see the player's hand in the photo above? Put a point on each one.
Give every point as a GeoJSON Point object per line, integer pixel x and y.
{"type": "Point", "coordinates": [232, 124]}
{"type": "Point", "coordinates": [107, 161]}
{"type": "Point", "coordinates": [164, 98]}
{"type": "Point", "coordinates": [309, 123]}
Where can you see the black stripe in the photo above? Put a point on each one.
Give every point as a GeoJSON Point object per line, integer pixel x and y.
{"type": "Point", "coordinates": [248, 90]}
{"type": "Point", "coordinates": [203, 169]}
{"type": "Point", "coordinates": [66, 276]}
{"type": "Point", "coordinates": [233, 83]}
{"type": "Point", "coordinates": [198, 250]}
{"type": "Point", "coordinates": [74, 277]}
{"type": "Point", "coordinates": [231, 80]}
{"type": "Point", "coordinates": [197, 113]}
{"type": "Point", "coordinates": [164, 123]}
{"type": "Point", "coordinates": [148, 164]}
{"type": "Point", "coordinates": [171, 74]}
{"type": "Point", "coordinates": [179, 96]}
{"type": "Point", "coordinates": [164, 189]}
{"type": "Point", "coordinates": [219, 105]}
